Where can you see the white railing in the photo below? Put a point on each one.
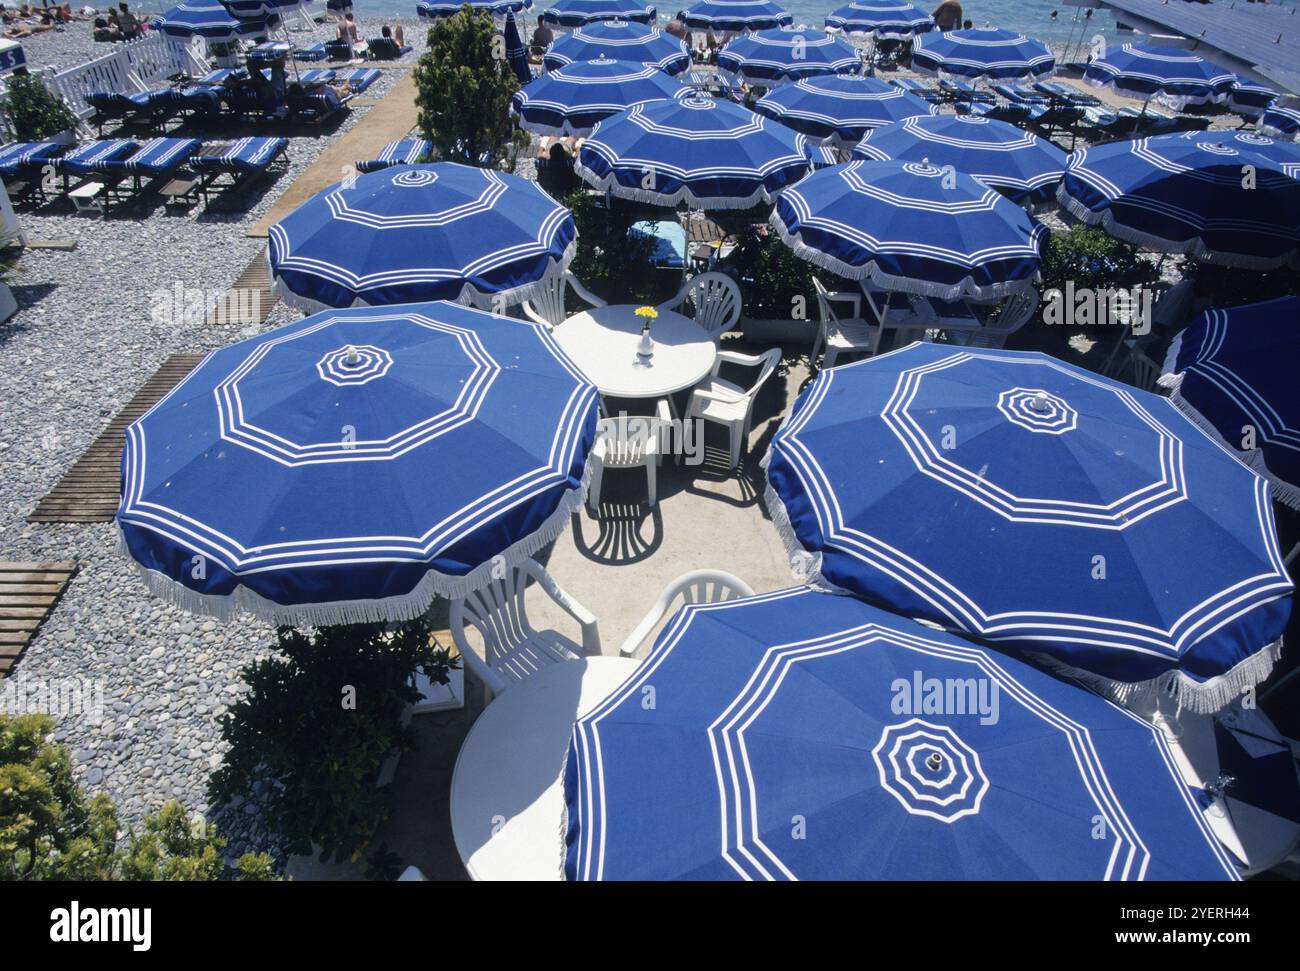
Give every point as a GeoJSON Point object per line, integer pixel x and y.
{"type": "Point", "coordinates": [130, 67]}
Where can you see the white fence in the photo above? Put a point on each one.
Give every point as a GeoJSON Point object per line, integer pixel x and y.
{"type": "Point", "coordinates": [130, 67]}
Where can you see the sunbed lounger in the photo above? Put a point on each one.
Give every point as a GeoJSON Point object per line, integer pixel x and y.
{"type": "Point", "coordinates": [404, 152]}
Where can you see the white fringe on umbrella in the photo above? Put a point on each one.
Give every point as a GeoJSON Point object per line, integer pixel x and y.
{"type": "Point", "coordinates": [610, 184]}
{"type": "Point", "coordinates": [1197, 696]}
{"type": "Point", "coordinates": [966, 288]}
{"type": "Point", "coordinates": [469, 294]}
{"type": "Point", "coordinates": [1194, 247]}
{"type": "Point", "coordinates": [407, 606]}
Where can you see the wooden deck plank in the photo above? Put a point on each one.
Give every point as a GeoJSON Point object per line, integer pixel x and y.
{"type": "Point", "coordinates": [25, 605]}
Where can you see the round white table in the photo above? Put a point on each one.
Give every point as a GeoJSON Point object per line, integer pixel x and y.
{"type": "Point", "coordinates": [602, 342]}
{"type": "Point", "coordinates": [507, 790]}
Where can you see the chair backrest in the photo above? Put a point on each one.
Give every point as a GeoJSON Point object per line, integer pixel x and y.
{"type": "Point", "coordinates": [698, 586]}
{"type": "Point", "coordinates": [770, 359]}
{"type": "Point", "coordinates": [497, 611]}
{"type": "Point", "coordinates": [824, 309]}
{"type": "Point", "coordinates": [628, 439]}
{"type": "Point", "coordinates": [1145, 371]}
{"type": "Point", "coordinates": [1015, 312]}
{"type": "Point", "coordinates": [547, 303]}
{"type": "Point", "coordinates": [713, 301]}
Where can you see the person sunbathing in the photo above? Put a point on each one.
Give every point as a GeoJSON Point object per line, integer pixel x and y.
{"type": "Point", "coordinates": [399, 36]}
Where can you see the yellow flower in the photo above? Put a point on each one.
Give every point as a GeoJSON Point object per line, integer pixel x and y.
{"type": "Point", "coordinates": [649, 312]}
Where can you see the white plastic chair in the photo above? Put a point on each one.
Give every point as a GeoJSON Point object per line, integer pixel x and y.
{"type": "Point", "coordinates": [547, 307]}
{"type": "Point", "coordinates": [841, 335]}
{"type": "Point", "coordinates": [512, 648]}
{"type": "Point", "coordinates": [696, 587]}
{"type": "Point", "coordinates": [628, 442]}
{"type": "Point", "coordinates": [714, 302]}
{"type": "Point", "coordinates": [728, 404]}
{"type": "Point", "coordinates": [993, 333]}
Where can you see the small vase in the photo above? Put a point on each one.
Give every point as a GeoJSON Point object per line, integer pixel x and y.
{"type": "Point", "coordinates": [645, 348]}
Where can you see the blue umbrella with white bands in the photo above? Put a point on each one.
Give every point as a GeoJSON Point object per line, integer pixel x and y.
{"type": "Point", "coordinates": [883, 18]}
{"type": "Point", "coordinates": [773, 56]}
{"type": "Point", "coordinates": [1232, 372]}
{"type": "Point", "coordinates": [210, 20]}
{"type": "Point", "coordinates": [1023, 167]}
{"type": "Point", "coordinates": [911, 227]}
{"type": "Point", "coordinates": [1250, 100]}
{"type": "Point", "coordinates": [737, 15]}
{"type": "Point", "coordinates": [1176, 77]}
{"type": "Point", "coordinates": [1129, 546]}
{"type": "Point", "coordinates": [573, 99]}
{"type": "Point", "coordinates": [1280, 120]}
{"type": "Point", "coordinates": [840, 109]}
{"type": "Point", "coordinates": [620, 41]}
{"type": "Point", "coordinates": [351, 466]}
{"type": "Point", "coordinates": [259, 8]}
{"type": "Point", "coordinates": [576, 13]}
{"type": "Point", "coordinates": [433, 9]}
{"type": "Point", "coordinates": [1215, 196]}
{"type": "Point", "coordinates": [516, 52]}
{"type": "Point", "coordinates": [421, 232]}
{"type": "Point", "coordinates": [700, 151]}
{"type": "Point", "coordinates": [798, 735]}
{"type": "Point", "coordinates": [982, 53]}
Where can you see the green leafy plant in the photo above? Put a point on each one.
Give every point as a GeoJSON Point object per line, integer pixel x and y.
{"type": "Point", "coordinates": [612, 261]}
{"type": "Point", "coordinates": [50, 830]}
{"type": "Point", "coordinates": [35, 112]}
{"type": "Point", "coordinates": [1090, 257]}
{"type": "Point", "coordinates": [463, 90]}
{"type": "Point", "coordinates": [771, 277]}
{"type": "Point", "coordinates": [320, 717]}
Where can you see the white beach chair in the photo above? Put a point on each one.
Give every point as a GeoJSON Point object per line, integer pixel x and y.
{"type": "Point", "coordinates": [728, 404]}
{"type": "Point", "coordinates": [512, 648]}
{"type": "Point", "coordinates": [712, 300]}
{"type": "Point", "coordinates": [547, 307]}
{"type": "Point", "coordinates": [629, 442]}
{"type": "Point", "coordinates": [696, 587]}
{"type": "Point", "coordinates": [838, 335]}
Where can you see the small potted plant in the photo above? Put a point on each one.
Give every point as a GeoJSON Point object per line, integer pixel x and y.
{"type": "Point", "coordinates": [37, 114]}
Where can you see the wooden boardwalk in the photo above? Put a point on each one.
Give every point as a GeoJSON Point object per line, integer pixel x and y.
{"type": "Point", "coordinates": [88, 492]}
{"type": "Point", "coordinates": [28, 592]}
{"type": "Point", "coordinates": [391, 118]}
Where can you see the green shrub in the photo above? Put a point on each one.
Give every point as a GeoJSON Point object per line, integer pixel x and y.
{"type": "Point", "coordinates": [612, 261]}
{"type": "Point", "coordinates": [49, 830]}
{"type": "Point", "coordinates": [1090, 257]}
{"type": "Point", "coordinates": [320, 717]}
{"type": "Point", "coordinates": [35, 112]}
{"type": "Point", "coordinates": [463, 90]}
{"type": "Point", "coordinates": [771, 277]}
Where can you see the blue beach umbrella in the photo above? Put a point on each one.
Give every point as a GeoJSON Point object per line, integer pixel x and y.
{"type": "Point", "coordinates": [884, 18]}
{"type": "Point", "coordinates": [258, 8]}
{"type": "Point", "coordinates": [1193, 193]}
{"type": "Point", "coordinates": [1173, 76]}
{"type": "Point", "coordinates": [433, 9]}
{"type": "Point", "coordinates": [621, 41]}
{"type": "Point", "coordinates": [700, 151]}
{"type": "Point", "coordinates": [772, 56]}
{"type": "Point", "coordinates": [576, 13]}
{"type": "Point", "coordinates": [1280, 120]}
{"type": "Point", "coordinates": [737, 15]}
{"type": "Point", "coordinates": [210, 20]}
{"type": "Point", "coordinates": [1232, 372]}
{"type": "Point", "coordinates": [840, 109]}
{"type": "Point", "coordinates": [1042, 507]}
{"type": "Point", "coordinates": [1023, 167]}
{"type": "Point", "coordinates": [573, 99]}
{"type": "Point", "coordinates": [420, 232]}
{"type": "Point", "coordinates": [911, 227]}
{"type": "Point", "coordinates": [516, 53]}
{"type": "Point", "coordinates": [989, 53]}
{"type": "Point", "coordinates": [1249, 99]}
{"type": "Point", "coordinates": [798, 735]}
{"type": "Point", "coordinates": [350, 466]}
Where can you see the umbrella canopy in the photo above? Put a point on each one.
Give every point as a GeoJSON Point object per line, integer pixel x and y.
{"type": "Point", "coordinates": [982, 53]}
{"type": "Point", "coordinates": [884, 18]}
{"type": "Point", "coordinates": [1280, 120]}
{"type": "Point", "coordinates": [840, 108]}
{"type": "Point", "coordinates": [1129, 546]}
{"type": "Point", "coordinates": [1192, 193]}
{"type": "Point", "coordinates": [573, 99]}
{"type": "Point", "coordinates": [1232, 372]}
{"type": "Point", "coordinates": [1023, 167]}
{"type": "Point", "coordinates": [350, 466]}
{"type": "Point", "coordinates": [734, 15]}
{"type": "Point", "coordinates": [420, 232]}
{"type": "Point", "coordinates": [784, 54]}
{"type": "Point", "coordinates": [704, 152]}
{"type": "Point", "coordinates": [621, 41]}
{"type": "Point", "coordinates": [210, 20]}
{"type": "Point", "coordinates": [576, 13]}
{"type": "Point", "coordinates": [432, 9]}
{"type": "Point", "coordinates": [1174, 76]}
{"type": "Point", "coordinates": [516, 53]}
{"type": "Point", "coordinates": [258, 8]}
{"type": "Point", "coordinates": [799, 735]}
{"type": "Point", "coordinates": [1249, 99]}
{"type": "Point", "coordinates": [912, 227]}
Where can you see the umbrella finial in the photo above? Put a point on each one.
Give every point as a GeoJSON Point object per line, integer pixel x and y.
{"type": "Point", "coordinates": [934, 761]}
{"type": "Point", "coordinates": [353, 358]}
{"type": "Point", "coordinates": [1039, 402]}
